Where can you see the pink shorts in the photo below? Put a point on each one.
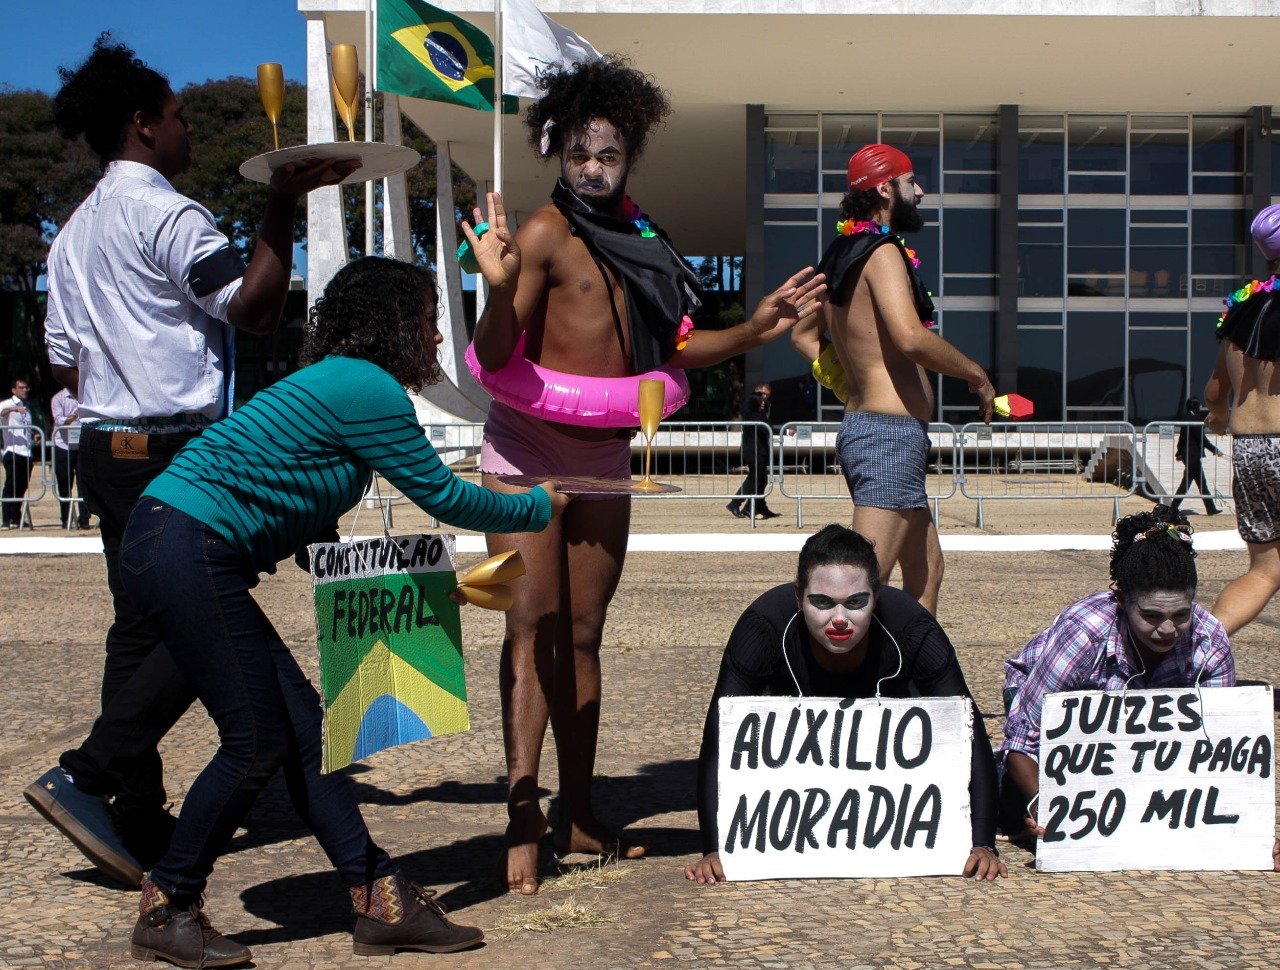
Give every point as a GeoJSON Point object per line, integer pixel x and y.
{"type": "Point", "coordinates": [520, 444]}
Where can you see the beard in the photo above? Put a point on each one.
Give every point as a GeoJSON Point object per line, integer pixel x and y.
{"type": "Point", "coordinates": [904, 214]}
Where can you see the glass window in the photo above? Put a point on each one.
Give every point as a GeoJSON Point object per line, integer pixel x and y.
{"type": "Point", "coordinates": [1040, 253]}
{"type": "Point", "coordinates": [1095, 252]}
{"type": "Point", "coordinates": [926, 243]}
{"type": "Point", "coordinates": [1158, 162]}
{"type": "Point", "coordinates": [1157, 261]}
{"type": "Point", "coordinates": [971, 332]}
{"type": "Point", "coordinates": [969, 154]}
{"type": "Point", "coordinates": [1219, 242]}
{"type": "Point", "coordinates": [787, 249]}
{"type": "Point", "coordinates": [1042, 162]}
{"type": "Point", "coordinates": [842, 135]}
{"type": "Point", "coordinates": [969, 240]}
{"type": "Point", "coordinates": [1040, 370]}
{"type": "Point", "coordinates": [1095, 359]}
{"type": "Point", "coordinates": [922, 147]}
{"type": "Point", "coordinates": [969, 285]}
{"type": "Point", "coordinates": [1145, 319]}
{"type": "Point", "coordinates": [1204, 349]}
{"type": "Point", "coordinates": [1275, 166]}
{"type": "Point", "coordinates": [1096, 143]}
{"type": "Point", "coordinates": [1217, 144]}
{"type": "Point", "coordinates": [791, 161]}
{"type": "Point", "coordinates": [1157, 374]}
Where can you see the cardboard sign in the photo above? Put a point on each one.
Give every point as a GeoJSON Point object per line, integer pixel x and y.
{"type": "Point", "coordinates": [824, 787]}
{"type": "Point", "coordinates": [390, 642]}
{"type": "Point", "coordinates": [1157, 779]}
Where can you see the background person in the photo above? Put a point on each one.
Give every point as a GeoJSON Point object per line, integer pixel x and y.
{"type": "Point", "coordinates": [1189, 450]}
{"type": "Point", "coordinates": [243, 496]}
{"type": "Point", "coordinates": [145, 296]}
{"type": "Point", "coordinates": [65, 411]}
{"type": "Point", "coordinates": [1243, 395]}
{"type": "Point", "coordinates": [19, 435]}
{"type": "Point", "coordinates": [757, 445]}
{"type": "Point", "coordinates": [856, 639]}
{"type": "Point", "coordinates": [1145, 632]}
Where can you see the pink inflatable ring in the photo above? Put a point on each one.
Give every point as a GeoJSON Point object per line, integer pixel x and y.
{"type": "Point", "coordinates": [591, 402]}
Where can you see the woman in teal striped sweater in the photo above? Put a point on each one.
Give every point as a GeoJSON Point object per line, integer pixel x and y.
{"type": "Point", "coordinates": [246, 494]}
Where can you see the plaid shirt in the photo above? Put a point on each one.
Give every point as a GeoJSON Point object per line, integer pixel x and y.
{"type": "Point", "coordinates": [1084, 649]}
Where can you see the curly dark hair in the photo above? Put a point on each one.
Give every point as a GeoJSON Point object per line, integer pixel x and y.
{"type": "Point", "coordinates": [837, 545]}
{"type": "Point", "coordinates": [1152, 551]}
{"type": "Point", "coordinates": [609, 88]}
{"type": "Point", "coordinates": [859, 204]}
{"type": "Point", "coordinates": [372, 309]}
{"type": "Point", "coordinates": [100, 96]}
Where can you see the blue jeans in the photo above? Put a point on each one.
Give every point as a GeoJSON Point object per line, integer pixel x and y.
{"type": "Point", "coordinates": [194, 586]}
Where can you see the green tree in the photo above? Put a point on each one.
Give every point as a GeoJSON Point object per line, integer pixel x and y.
{"type": "Point", "coordinates": [43, 179]}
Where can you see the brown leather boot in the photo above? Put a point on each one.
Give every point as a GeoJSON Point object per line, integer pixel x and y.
{"type": "Point", "coordinates": [393, 913]}
{"type": "Point", "coordinates": [182, 936]}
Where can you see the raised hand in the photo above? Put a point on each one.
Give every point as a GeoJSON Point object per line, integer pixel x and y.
{"type": "Point", "coordinates": [496, 251]}
{"type": "Point", "coordinates": [797, 298]}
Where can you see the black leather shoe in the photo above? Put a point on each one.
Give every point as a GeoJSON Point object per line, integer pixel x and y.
{"type": "Point", "coordinates": [735, 509]}
{"type": "Point", "coordinates": [183, 937]}
{"type": "Point", "coordinates": [395, 914]}
{"type": "Point", "coordinates": [768, 514]}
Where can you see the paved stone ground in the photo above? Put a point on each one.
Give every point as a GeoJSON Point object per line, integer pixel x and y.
{"type": "Point", "coordinates": [438, 805]}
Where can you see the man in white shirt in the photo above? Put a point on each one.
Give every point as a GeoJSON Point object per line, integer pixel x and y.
{"type": "Point", "coordinates": [19, 435]}
{"type": "Point", "coordinates": [64, 409]}
{"type": "Point", "coordinates": [145, 295]}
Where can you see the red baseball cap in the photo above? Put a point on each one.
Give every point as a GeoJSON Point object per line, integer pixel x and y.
{"type": "Point", "coordinates": [873, 165]}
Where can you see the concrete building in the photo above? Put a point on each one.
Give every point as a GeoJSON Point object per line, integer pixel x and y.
{"type": "Point", "coordinates": [1091, 167]}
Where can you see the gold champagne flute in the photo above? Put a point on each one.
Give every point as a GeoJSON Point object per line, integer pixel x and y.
{"type": "Point", "coordinates": [652, 396]}
{"type": "Point", "coordinates": [346, 84]}
{"type": "Point", "coordinates": [271, 92]}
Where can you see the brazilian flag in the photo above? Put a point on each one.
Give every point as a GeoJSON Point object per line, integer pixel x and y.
{"type": "Point", "coordinates": [426, 52]}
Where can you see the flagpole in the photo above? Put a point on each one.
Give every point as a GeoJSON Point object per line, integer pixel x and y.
{"type": "Point", "coordinates": [497, 95]}
{"type": "Point", "coordinates": [369, 78]}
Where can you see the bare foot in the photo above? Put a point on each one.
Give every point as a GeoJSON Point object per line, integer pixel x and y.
{"type": "Point", "coordinates": [527, 826]}
{"type": "Point", "coordinates": [592, 838]}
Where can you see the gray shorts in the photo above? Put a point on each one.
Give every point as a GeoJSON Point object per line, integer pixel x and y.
{"type": "Point", "coordinates": [884, 457]}
{"type": "Point", "coordinates": [1255, 459]}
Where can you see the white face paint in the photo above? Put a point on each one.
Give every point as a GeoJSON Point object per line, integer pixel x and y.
{"type": "Point", "coordinates": [1158, 619]}
{"type": "Point", "coordinates": [837, 605]}
{"type": "Point", "coordinates": [594, 163]}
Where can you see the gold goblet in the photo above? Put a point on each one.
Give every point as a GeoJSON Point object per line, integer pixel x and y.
{"type": "Point", "coordinates": [346, 84]}
{"type": "Point", "coordinates": [271, 91]}
{"type": "Point", "coordinates": [652, 396]}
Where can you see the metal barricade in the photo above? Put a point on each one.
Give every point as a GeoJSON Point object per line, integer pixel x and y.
{"type": "Point", "coordinates": [75, 500]}
{"type": "Point", "coordinates": [37, 470]}
{"type": "Point", "coordinates": [809, 468]}
{"type": "Point", "coordinates": [1167, 471]}
{"type": "Point", "coordinates": [1063, 460]}
{"type": "Point", "coordinates": [707, 460]}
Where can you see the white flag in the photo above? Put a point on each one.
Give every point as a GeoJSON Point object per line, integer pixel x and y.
{"type": "Point", "coordinates": [533, 43]}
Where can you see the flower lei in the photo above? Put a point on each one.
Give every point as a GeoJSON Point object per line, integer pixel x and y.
{"type": "Point", "coordinates": [631, 212]}
{"type": "Point", "coordinates": [847, 227]}
{"type": "Point", "coordinates": [1246, 291]}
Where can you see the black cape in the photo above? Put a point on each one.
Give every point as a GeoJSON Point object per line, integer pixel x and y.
{"type": "Point", "coordinates": [1253, 325]}
{"type": "Point", "coordinates": [659, 285]}
{"type": "Point", "coordinates": [845, 257]}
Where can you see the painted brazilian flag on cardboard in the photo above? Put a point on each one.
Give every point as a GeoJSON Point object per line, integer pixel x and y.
{"type": "Point", "coordinates": [426, 52]}
{"type": "Point", "coordinates": [390, 644]}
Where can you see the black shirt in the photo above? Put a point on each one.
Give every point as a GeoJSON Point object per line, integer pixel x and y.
{"type": "Point", "coordinates": [753, 666]}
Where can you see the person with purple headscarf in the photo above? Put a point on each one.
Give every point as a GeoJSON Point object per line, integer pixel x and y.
{"type": "Point", "coordinates": [1243, 396]}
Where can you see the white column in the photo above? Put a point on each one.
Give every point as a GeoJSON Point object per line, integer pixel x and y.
{"type": "Point", "coordinates": [397, 240]}
{"type": "Point", "coordinates": [449, 316]}
{"type": "Point", "coordinates": [326, 230]}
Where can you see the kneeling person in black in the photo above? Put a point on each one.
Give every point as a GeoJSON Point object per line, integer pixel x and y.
{"type": "Point", "coordinates": [836, 633]}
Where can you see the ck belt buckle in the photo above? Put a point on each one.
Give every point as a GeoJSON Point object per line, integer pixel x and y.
{"type": "Point", "coordinates": [129, 445]}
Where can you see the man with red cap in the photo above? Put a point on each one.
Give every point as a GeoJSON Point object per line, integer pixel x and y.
{"type": "Point", "coordinates": [880, 320]}
{"type": "Point", "coordinates": [1243, 396]}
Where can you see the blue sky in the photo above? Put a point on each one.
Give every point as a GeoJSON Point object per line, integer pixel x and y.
{"type": "Point", "coordinates": [188, 41]}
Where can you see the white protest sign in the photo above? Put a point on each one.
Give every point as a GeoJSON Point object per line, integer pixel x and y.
{"type": "Point", "coordinates": [824, 787]}
{"type": "Point", "coordinates": [1157, 779]}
